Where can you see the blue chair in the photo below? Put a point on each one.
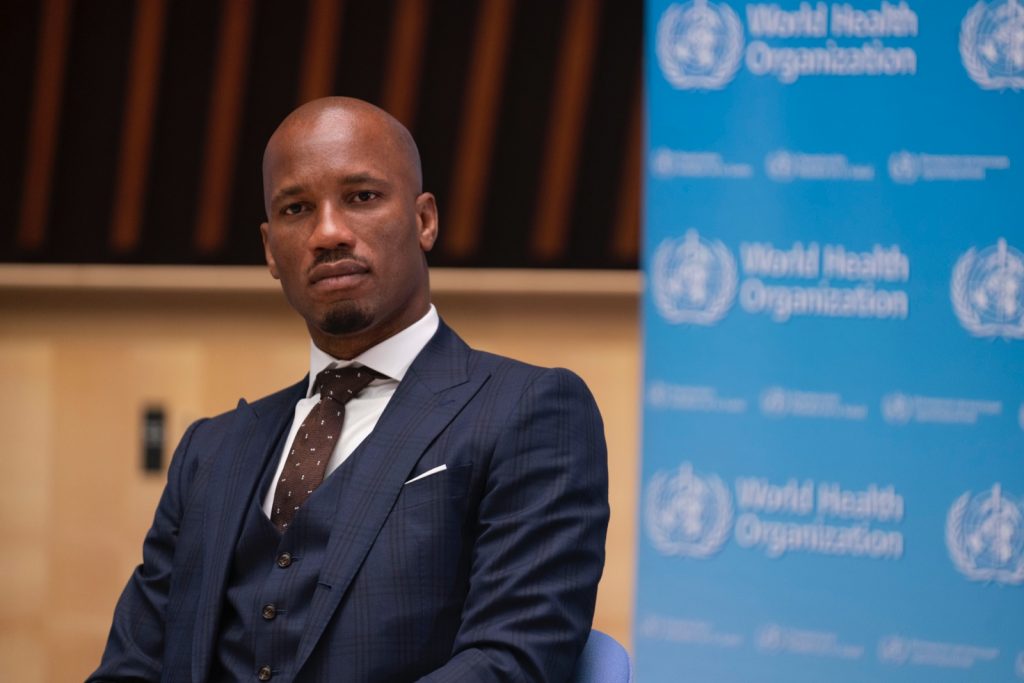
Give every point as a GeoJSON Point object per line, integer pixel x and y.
{"type": "Point", "coordinates": [603, 660]}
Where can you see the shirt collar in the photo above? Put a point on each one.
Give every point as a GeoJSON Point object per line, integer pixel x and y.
{"type": "Point", "coordinates": [391, 357]}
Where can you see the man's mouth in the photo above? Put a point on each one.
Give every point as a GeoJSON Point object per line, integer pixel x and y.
{"type": "Point", "coordinates": [339, 274]}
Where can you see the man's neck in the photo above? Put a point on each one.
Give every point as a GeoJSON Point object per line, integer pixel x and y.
{"type": "Point", "coordinates": [392, 356]}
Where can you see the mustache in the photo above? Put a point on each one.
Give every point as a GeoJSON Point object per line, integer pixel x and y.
{"type": "Point", "coordinates": [335, 255]}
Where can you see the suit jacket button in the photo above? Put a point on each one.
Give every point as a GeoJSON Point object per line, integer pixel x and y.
{"type": "Point", "coordinates": [284, 560]}
{"type": "Point", "coordinates": [264, 673]}
{"type": "Point", "coordinates": [269, 612]}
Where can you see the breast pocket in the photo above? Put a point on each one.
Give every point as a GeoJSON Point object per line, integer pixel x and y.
{"type": "Point", "coordinates": [450, 483]}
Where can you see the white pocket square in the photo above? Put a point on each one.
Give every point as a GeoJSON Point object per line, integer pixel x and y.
{"type": "Point", "coordinates": [435, 470]}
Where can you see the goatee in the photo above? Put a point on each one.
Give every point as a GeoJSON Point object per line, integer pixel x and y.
{"type": "Point", "coordinates": [345, 320]}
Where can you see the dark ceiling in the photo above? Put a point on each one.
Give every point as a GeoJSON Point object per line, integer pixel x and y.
{"type": "Point", "coordinates": [133, 130]}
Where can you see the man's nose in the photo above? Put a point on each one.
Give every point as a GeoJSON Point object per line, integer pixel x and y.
{"type": "Point", "coordinates": [331, 229]}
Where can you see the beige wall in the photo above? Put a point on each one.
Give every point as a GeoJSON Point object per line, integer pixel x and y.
{"type": "Point", "coordinates": [80, 361]}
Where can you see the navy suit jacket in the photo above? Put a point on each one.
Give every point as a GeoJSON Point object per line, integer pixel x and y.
{"type": "Point", "coordinates": [486, 571]}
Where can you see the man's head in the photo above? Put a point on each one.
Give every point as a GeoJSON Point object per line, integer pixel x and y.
{"type": "Point", "coordinates": [348, 225]}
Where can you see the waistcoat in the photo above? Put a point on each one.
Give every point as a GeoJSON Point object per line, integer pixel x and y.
{"type": "Point", "coordinates": [271, 584]}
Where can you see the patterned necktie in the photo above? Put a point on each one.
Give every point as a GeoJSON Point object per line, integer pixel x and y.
{"type": "Point", "coordinates": [315, 441]}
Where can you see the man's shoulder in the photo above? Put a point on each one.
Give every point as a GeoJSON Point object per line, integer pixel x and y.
{"type": "Point", "coordinates": [487, 360]}
{"type": "Point", "coordinates": [507, 369]}
{"type": "Point", "coordinates": [510, 374]}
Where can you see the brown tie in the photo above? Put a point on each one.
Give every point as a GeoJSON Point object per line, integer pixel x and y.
{"type": "Point", "coordinates": [315, 441]}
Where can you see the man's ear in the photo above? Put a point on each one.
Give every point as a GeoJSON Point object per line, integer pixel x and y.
{"type": "Point", "coordinates": [271, 264]}
{"type": "Point", "coordinates": [426, 220]}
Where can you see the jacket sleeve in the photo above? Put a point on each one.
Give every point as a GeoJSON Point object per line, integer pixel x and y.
{"type": "Point", "coordinates": [134, 650]}
{"type": "Point", "coordinates": [539, 545]}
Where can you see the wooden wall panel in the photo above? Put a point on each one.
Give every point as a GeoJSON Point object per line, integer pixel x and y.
{"type": "Point", "coordinates": [26, 503]}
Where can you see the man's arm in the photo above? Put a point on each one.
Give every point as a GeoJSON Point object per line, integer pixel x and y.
{"type": "Point", "coordinates": [135, 646]}
{"type": "Point", "coordinates": [539, 548]}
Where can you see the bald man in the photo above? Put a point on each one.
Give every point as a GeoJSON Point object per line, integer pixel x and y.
{"type": "Point", "coordinates": [412, 509]}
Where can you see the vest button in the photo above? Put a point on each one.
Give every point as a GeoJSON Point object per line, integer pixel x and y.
{"type": "Point", "coordinates": [269, 612]}
{"type": "Point", "coordinates": [284, 560]}
{"type": "Point", "coordinates": [264, 673]}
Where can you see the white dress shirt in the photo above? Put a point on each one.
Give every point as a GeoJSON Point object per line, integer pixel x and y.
{"type": "Point", "coordinates": [391, 357]}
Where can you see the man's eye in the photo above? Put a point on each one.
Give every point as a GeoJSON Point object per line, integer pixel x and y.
{"type": "Point", "coordinates": [292, 209]}
{"type": "Point", "coordinates": [365, 196]}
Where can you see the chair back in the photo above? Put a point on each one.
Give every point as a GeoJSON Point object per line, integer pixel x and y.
{"type": "Point", "coordinates": [603, 660]}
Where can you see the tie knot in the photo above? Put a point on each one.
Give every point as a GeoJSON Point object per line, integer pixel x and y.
{"type": "Point", "coordinates": [342, 384]}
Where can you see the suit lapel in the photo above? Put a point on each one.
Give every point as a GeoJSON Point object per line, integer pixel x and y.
{"type": "Point", "coordinates": [432, 393]}
{"type": "Point", "coordinates": [233, 480]}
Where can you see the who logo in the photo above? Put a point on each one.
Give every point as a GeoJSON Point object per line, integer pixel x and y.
{"type": "Point", "coordinates": [992, 44]}
{"type": "Point", "coordinates": [904, 167]}
{"type": "Point", "coordinates": [686, 514]}
{"type": "Point", "coordinates": [699, 45]}
{"type": "Point", "coordinates": [693, 280]}
{"type": "Point", "coordinates": [987, 291]}
{"type": "Point", "coordinates": [893, 650]}
{"type": "Point", "coordinates": [985, 536]}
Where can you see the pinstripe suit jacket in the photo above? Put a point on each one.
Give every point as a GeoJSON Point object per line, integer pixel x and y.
{"type": "Point", "coordinates": [486, 571]}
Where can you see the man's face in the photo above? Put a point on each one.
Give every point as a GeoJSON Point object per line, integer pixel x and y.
{"type": "Point", "coordinates": [347, 227]}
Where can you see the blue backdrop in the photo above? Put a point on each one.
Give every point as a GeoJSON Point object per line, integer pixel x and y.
{"type": "Point", "coordinates": [833, 439]}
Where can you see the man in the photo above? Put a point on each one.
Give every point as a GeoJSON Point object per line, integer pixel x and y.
{"type": "Point", "coordinates": [456, 530]}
